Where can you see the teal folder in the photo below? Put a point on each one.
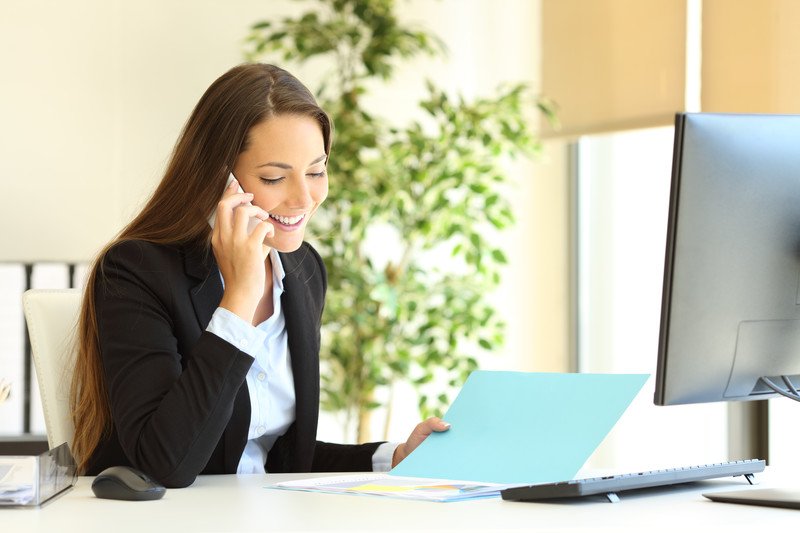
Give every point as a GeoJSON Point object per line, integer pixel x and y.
{"type": "Point", "coordinates": [523, 427]}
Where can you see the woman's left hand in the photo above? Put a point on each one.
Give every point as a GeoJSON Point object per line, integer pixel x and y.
{"type": "Point", "coordinates": [419, 434]}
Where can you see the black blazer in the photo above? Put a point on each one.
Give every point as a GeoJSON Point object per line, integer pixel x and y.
{"type": "Point", "coordinates": [179, 400]}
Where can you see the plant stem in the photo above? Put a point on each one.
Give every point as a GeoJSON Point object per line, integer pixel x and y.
{"type": "Point", "coordinates": [404, 260]}
{"type": "Point", "coordinates": [389, 404]}
{"type": "Point", "coordinates": [364, 419]}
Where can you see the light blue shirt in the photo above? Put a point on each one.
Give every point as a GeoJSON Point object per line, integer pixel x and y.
{"type": "Point", "coordinates": [270, 380]}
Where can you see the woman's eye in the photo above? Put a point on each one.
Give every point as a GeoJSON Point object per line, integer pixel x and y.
{"type": "Point", "coordinates": [317, 174]}
{"type": "Point", "coordinates": [272, 181]}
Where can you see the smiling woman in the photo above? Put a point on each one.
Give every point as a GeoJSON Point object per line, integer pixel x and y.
{"type": "Point", "coordinates": [198, 348]}
{"type": "Point", "coordinates": [293, 181]}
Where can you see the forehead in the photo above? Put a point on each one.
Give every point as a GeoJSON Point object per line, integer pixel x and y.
{"type": "Point", "coordinates": [286, 137]}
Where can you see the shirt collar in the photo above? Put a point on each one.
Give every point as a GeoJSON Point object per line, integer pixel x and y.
{"type": "Point", "coordinates": [277, 268]}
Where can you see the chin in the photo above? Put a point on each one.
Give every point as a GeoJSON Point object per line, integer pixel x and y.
{"type": "Point", "coordinates": [286, 247]}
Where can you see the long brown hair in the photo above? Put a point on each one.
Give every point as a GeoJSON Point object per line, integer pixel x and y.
{"type": "Point", "coordinates": [177, 212]}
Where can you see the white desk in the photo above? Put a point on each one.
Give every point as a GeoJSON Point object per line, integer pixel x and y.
{"type": "Point", "coordinates": [240, 503]}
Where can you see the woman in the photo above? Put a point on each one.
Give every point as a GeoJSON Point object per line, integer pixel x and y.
{"type": "Point", "coordinates": [199, 330]}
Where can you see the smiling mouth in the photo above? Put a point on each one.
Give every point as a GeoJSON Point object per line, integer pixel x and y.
{"type": "Point", "coordinates": [288, 221]}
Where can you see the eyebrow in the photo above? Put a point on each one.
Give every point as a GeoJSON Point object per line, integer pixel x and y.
{"type": "Point", "coordinates": [286, 166]}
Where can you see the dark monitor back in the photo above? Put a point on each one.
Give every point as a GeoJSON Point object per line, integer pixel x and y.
{"type": "Point", "coordinates": [731, 297]}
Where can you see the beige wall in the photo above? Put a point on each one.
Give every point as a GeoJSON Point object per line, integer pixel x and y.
{"type": "Point", "coordinates": [94, 93]}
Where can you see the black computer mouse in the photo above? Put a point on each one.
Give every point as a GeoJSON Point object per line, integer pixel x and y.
{"type": "Point", "coordinates": [126, 483]}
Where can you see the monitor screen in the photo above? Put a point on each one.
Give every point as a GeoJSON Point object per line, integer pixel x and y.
{"type": "Point", "coordinates": [730, 312]}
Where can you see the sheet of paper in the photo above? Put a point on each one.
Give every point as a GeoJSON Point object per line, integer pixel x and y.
{"type": "Point", "coordinates": [381, 484]}
{"type": "Point", "coordinates": [523, 427]}
{"type": "Point", "coordinates": [17, 478]}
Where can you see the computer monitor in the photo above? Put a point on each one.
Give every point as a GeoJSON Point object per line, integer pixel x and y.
{"type": "Point", "coordinates": [731, 296]}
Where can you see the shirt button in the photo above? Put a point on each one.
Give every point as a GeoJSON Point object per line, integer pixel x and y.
{"type": "Point", "coordinates": [261, 376]}
{"type": "Point", "coordinates": [243, 343]}
{"type": "Point", "coordinates": [260, 430]}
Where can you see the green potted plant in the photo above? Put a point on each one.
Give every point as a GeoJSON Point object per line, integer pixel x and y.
{"type": "Point", "coordinates": [436, 185]}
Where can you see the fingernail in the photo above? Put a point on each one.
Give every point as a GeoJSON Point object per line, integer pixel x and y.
{"type": "Point", "coordinates": [446, 424]}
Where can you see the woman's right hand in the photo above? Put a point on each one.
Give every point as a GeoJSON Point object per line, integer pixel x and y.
{"type": "Point", "coordinates": [241, 257]}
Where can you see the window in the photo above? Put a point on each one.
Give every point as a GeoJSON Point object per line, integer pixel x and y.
{"type": "Point", "coordinates": [22, 413]}
{"type": "Point", "coordinates": [623, 182]}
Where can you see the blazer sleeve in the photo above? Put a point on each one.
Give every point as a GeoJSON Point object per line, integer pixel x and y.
{"type": "Point", "coordinates": [169, 409]}
{"type": "Point", "coordinates": [331, 457]}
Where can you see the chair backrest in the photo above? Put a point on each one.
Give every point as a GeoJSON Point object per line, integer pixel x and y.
{"type": "Point", "coordinates": [52, 317]}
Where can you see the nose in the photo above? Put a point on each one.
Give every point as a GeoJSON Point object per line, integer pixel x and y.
{"type": "Point", "coordinates": [299, 196]}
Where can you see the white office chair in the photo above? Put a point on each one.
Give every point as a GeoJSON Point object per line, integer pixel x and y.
{"type": "Point", "coordinates": [52, 317]}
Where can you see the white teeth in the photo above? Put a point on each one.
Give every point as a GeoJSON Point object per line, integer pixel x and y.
{"type": "Point", "coordinates": [289, 221]}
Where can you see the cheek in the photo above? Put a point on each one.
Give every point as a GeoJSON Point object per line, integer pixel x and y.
{"type": "Point", "coordinates": [319, 191]}
{"type": "Point", "coordinates": [265, 200]}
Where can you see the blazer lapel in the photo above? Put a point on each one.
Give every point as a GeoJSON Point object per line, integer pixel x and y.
{"type": "Point", "coordinates": [303, 339]}
{"type": "Point", "coordinates": [207, 293]}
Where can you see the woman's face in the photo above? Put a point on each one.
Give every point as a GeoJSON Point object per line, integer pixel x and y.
{"type": "Point", "coordinates": [285, 168]}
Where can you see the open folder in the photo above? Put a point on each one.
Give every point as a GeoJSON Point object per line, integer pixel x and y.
{"type": "Point", "coordinates": [507, 428]}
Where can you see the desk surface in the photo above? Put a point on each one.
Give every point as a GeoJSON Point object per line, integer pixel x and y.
{"type": "Point", "coordinates": [241, 503]}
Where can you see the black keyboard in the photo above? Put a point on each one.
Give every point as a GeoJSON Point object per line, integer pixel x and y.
{"type": "Point", "coordinates": [610, 485]}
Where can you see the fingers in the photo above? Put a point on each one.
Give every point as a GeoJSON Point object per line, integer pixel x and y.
{"type": "Point", "coordinates": [239, 221]}
{"type": "Point", "coordinates": [229, 202]}
{"type": "Point", "coordinates": [224, 205]}
{"type": "Point", "coordinates": [251, 224]}
{"type": "Point", "coordinates": [232, 197]}
{"type": "Point", "coordinates": [420, 433]}
{"type": "Point", "coordinates": [425, 428]}
{"type": "Point", "coordinates": [260, 230]}
{"type": "Point", "coordinates": [242, 216]}
{"type": "Point", "coordinates": [434, 423]}
{"type": "Point", "coordinates": [232, 188]}
{"type": "Point", "coordinates": [438, 424]}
